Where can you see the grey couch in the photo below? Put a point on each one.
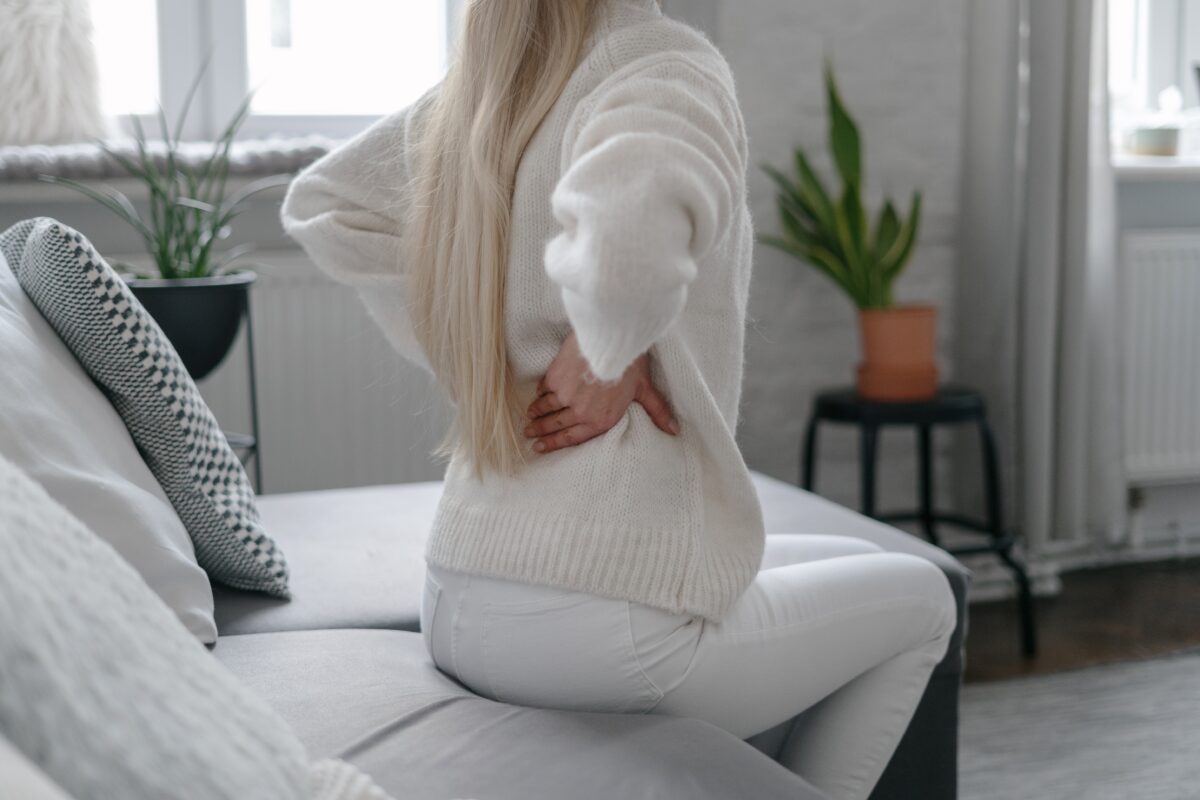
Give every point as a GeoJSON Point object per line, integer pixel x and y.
{"type": "Point", "coordinates": [344, 664]}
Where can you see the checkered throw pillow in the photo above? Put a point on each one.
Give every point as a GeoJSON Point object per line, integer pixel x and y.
{"type": "Point", "coordinates": [128, 356]}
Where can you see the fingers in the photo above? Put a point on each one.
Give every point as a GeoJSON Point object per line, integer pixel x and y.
{"type": "Point", "coordinates": [552, 423]}
{"type": "Point", "coordinates": [659, 410]}
{"type": "Point", "coordinates": [568, 437]}
{"type": "Point", "coordinates": [546, 404]}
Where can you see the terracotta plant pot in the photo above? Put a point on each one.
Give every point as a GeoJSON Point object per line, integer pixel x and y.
{"type": "Point", "coordinates": [899, 347]}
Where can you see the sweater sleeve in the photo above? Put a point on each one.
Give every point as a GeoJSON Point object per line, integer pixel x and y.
{"type": "Point", "coordinates": [650, 186]}
{"type": "Point", "coordinates": [347, 211]}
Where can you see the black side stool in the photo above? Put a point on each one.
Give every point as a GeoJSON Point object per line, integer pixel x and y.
{"type": "Point", "coordinates": [952, 405]}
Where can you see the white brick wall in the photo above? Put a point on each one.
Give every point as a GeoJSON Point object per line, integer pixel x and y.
{"type": "Point", "coordinates": [900, 68]}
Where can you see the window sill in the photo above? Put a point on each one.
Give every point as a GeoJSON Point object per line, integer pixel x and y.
{"type": "Point", "coordinates": [87, 162]}
{"type": "Point", "coordinates": [1156, 168]}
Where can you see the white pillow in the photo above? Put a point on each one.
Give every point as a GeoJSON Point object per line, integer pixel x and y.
{"type": "Point", "coordinates": [58, 427]}
{"type": "Point", "coordinates": [20, 778]}
{"type": "Point", "coordinates": [107, 693]}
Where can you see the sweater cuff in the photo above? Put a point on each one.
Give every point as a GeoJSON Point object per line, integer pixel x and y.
{"type": "Point", "coordinates": [610, 348]}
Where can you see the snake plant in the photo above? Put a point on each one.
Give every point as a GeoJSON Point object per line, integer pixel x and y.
{"type": "Point", "coordinates": [835, 234]}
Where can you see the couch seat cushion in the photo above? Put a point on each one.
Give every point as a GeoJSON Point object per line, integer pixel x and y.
{"type": "Point", "coordinates": [357, 555]}
{"type": "Point", "coordinates": [374, 698]}
{"type": "Point", "coordinates": [357, 559]}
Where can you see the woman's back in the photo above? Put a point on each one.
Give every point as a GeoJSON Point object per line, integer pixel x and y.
{"type": "Point", "coordinates": [637, 514]}
{"type": "Point", "coordinates": [629, 227]}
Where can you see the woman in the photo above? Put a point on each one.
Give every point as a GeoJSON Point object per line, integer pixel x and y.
{"type": "Point", "coordinates": [559, 233]}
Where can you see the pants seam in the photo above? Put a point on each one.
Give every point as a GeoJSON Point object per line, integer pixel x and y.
{"type": "Point", "coordinates": [454, 627]}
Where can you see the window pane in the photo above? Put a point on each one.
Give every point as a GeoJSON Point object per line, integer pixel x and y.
{"type": "Point", "coordinates": [126, 38]}
{"type": "Point", "coordinates": [1124, 26]}
{"type": "Point", "coordinates": [314, 57]}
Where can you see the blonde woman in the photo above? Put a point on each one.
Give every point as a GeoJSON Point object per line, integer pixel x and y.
{"type": "Point", "coordinates": [559, 233]}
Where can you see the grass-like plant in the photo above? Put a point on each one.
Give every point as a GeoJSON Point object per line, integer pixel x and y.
{"type": "Point", "coordinates": [189, 209]}
{"type": "Point", "coordinates": [835, 235]}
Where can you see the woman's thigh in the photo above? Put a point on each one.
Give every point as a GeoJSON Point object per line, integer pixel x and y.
{"type": "Point", "coordinates": [802, 631]}
{"type": "Point", "coordinates": [783, 549]}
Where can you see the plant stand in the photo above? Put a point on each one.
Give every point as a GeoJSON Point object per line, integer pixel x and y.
{"type": "Point", "coordinates": [248, 445]}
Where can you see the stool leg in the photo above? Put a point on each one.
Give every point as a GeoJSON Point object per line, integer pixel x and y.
{"type": "Point", "coordinates": [925, 457]}
{"type": "Point", "coordinates": [995, 510]}
{"type": "Point", "coordinates": [808, 460]}
{"type": "Point", "coordinates": [868, 444]}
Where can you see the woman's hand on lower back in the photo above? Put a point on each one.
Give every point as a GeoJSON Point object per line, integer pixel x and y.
{"type": "Point", "coordinates": [572, 406]}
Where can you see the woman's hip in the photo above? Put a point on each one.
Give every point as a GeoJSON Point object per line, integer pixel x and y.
{"type": "Point", "coordinates": [553, 648]}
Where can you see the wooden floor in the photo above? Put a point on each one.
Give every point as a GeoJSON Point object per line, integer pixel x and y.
{"type": "Point", "coordinates": [1102, 616]}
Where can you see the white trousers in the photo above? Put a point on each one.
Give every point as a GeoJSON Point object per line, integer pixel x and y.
{"type": "Point", "coordinates": [833, 632]}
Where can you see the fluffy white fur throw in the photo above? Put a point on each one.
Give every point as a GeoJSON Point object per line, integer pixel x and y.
{"type": "Point", "coordinates": [48, 77]}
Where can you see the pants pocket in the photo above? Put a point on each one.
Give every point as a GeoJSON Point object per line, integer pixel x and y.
{"type": "Point", "coordinates": [568, 651]}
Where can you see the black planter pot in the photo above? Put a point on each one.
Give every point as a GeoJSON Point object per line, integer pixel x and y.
{"type": "Point", "coordinates": [201, 316]}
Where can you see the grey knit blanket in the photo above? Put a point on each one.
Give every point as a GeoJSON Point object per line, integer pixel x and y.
{"type": "Point", "coordinates": [89, 161]}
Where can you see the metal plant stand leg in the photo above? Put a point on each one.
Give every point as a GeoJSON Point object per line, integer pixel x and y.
{"type": "Point", "coordinates": [1004, 543]}
{"type": "Point", "coordinates": [256, 452]}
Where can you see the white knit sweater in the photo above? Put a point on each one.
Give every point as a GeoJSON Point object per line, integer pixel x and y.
{"type": "Point", "coordinates": [630, 227]}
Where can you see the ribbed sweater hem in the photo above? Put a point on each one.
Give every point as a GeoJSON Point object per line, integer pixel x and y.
{"type": "Point", "coordinates": [659, 566]}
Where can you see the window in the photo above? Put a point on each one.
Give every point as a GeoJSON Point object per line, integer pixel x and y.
{"type": "Point", "coordinates": [313, 57]}
{"type": "Point", "coordinates": [126, 40]}
{"type": "Point", "coordinates": [1154, 75]}
{"type": "Point", "coordinates": [314, 66]}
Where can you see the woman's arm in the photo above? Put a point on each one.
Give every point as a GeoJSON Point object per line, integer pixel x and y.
{"type": "Point", "coordinates": [653, 178]}
{"type": "Point", "coordinates": [347, 210]}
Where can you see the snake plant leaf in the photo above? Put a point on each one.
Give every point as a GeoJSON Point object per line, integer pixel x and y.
{"type": "Point", "coordinates": [832, 266]}
{"type": "Point", "coordinates": [895, 259]}
{"type": "Point", "coordinates": [818, 257]}
{"type": "Point", "coordinates": [796, 210]}
{"type": "Point", "coordinates": [843, 134]}
{"type": "Point", "coordinates": [886, 229]}
{"type": "Point", "coordinates": [791, 222]}
{"type": "Point", "coordinates": [850, 222]}
{"type": "Point", "coordinates": [782, 182]}
{"type": "Point", "coordinates": [813, 192]}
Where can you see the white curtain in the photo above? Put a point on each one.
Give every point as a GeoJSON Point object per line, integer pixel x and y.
{"type": "Point", "coordinates": [1037, 311]}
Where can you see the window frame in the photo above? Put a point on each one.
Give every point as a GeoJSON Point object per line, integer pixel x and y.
{"type": "Point", "coordinates": [188, 32]}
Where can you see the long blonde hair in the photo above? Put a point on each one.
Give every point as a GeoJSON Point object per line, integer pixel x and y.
{"type": "Point", "coordinates": [514, 59]}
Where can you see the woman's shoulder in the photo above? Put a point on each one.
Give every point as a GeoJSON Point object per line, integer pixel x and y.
{"type": "Point", "coordinates": [649, 43]}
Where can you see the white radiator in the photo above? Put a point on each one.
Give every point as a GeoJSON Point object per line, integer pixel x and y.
{"type": "Point", "coordinates": [337, 406]}
{"type": "Point", "coordinates": [1161, 288]}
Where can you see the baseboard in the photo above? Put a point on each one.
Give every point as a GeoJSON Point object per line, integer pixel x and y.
{"type": "Point", "coordinates": [993, 581]}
